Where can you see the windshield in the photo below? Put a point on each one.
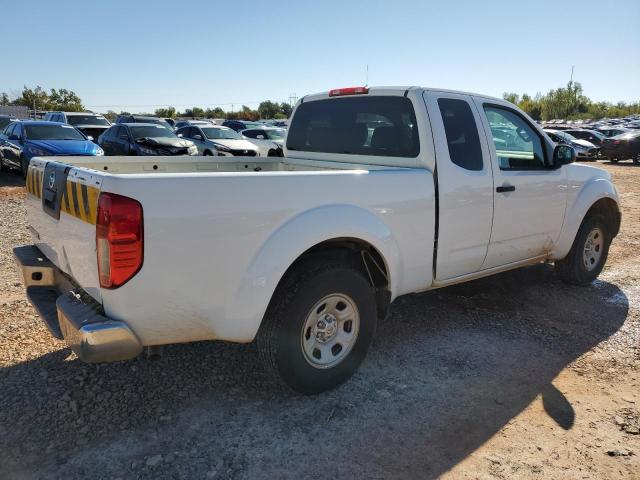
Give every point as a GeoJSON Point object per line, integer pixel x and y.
{"type": "Point", "coordinates": [151, 131]}
{"type": "Point", "coordinates": [52, 132]}
{"type": "Point", "coordinates": [566, 136]}
{"type": "Point", "coordinates": [159, 121]}
{"type": "Point", "coordinates": [628, 135]}
{"type": "Point", "coordinates": [87, 120]}
{"type": "Point", "coordinates": [221, 133]}
{"type": "Point", "coordinates": [276, 134]}
{"type": "Point", "coordinates": [4, 122]}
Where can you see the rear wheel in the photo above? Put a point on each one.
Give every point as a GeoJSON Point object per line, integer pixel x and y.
{"type": "Point", "coordinates": [319, 325]}
{"type": "Point", "coordinates": [636, 159]}
{"type": "Point", "coordinates": [588, 253]}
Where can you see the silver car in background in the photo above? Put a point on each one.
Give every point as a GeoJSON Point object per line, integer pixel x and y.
{"type": "Point", "coordinates": [217, 140]}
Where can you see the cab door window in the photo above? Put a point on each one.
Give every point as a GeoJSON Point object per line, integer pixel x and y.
{"type": "Point", "coordinates": [462, 133]}
{"type": "Point", "coordinates": [518, 145]}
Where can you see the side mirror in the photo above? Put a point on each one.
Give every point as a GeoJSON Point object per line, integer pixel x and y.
{"type": "Point", "coordinates": [14, 137]}
{"type": "Point", "coordinates": [180, 135]}
{"type": "Point", "coordinates": [563, 155]}
{"type": "Point", "coordinates": [90, 138]}
{"type": "Point", "coordinates": [197, 137]}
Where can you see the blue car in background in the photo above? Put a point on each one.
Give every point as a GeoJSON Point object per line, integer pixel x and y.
{"type": "Point", "coordinates": [21, 141]}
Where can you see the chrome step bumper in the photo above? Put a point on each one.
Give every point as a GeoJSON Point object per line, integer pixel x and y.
{"type": "Point", "coordinates": [71, 314]}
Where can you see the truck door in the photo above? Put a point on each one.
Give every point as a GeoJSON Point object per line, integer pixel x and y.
{"type": "Point", "coordinates": [530, 197]}
{"type": "Point", "coordinates": [464, 183]}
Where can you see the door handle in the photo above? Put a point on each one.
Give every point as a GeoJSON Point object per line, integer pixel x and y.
{"type": "Point", "coordinates": [505, 188]}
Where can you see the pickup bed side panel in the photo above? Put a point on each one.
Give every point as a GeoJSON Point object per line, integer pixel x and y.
{"type": "Point", "coordinates": [215, 251]}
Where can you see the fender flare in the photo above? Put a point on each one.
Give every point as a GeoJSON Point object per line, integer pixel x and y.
{"type": "Point", "coordinates": [591, 192]}
{"type": "Point", "coordinates": [249, 302]}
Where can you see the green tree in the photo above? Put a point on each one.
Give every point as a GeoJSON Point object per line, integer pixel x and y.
{"type": "Point", "coordinates": [286, 109]}
{"type": "Point", "coordinates": [268, 109]}
{"type": "Point", "coordinates": [169, 112]}
{"type": "Point", "coordinates": [4, 99]}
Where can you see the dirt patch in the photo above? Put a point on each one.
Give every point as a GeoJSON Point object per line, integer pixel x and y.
{"type": "Point", "coordinates": [514, 376]}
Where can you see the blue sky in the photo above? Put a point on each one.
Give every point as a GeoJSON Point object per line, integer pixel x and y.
{"type": "Point", "coordinates": [138, 55]}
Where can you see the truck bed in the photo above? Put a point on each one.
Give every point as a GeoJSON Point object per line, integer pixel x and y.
{"type": "Point", "coordinates": [219, 231]}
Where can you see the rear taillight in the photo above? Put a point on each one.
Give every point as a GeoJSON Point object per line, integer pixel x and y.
{"type": "Point", "coordinates": [119, 239]}
{"type": "Point", "coordinates": [339, 92]}
{"type": "Point", "coordinates": [616, 142]}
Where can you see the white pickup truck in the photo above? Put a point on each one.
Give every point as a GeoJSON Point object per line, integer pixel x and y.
{"type": "Point", "coordinates": [381, 192]}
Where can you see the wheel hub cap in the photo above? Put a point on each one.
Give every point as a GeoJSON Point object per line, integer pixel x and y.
{"type": "Point", "coordinates": [330, 331]}
{"type": "Point", "coordinates": [593, 249]}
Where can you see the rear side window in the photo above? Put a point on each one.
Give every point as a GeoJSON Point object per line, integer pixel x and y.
{"type": "Point", "coordinates": [462, 133]}
{"type": "Point", "coordinates": [379, 126]}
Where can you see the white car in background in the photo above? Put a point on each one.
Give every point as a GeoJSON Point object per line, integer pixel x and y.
{"type": "Point", "coordinates": [216, 140]}
{"type": "Point", "coordinates": [270, 140]}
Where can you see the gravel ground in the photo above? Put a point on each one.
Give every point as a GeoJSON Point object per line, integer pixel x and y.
{"type": "Point", "coordinates": [514, 376]}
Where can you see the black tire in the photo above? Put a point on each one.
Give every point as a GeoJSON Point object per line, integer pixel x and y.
{"type": "Point", "coordinates": [2, 168]}
{"type": "Point", "coordinates": [207, 153]}
{"type": "Point", "coordinates": [280, 337]}
{"type": "Point", "coordinates": [636, 159]}
{"type": "Point", "coordinates": [572, 268]}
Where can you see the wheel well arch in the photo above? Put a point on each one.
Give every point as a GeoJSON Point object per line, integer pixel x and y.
{"type": "Point", "coordinates": [609, 210]}
{"type": "Point", "coordinates": [361, 254]}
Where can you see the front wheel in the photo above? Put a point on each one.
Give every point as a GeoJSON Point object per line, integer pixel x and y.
{"type": "Point", "coordinates": [319, 325]}
{"type": "Point", "coordinates": [588, 253]}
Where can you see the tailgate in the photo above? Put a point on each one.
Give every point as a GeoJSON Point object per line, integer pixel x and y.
{"type": "Point", "coordinates": [62, 205]}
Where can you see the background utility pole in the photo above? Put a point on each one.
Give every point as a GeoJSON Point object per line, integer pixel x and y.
{"type": "Point", "coordinates": [34, 108]}
{"type": "Point", "coordinates": [293, 98]}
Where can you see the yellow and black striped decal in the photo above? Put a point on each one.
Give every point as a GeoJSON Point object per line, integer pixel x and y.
{"type": "Point", "coordinates": [34, 182]}
{"type": "Point", "coordinates": [78, 200]}
{"type": "Point", "coordinates": [81, 201]}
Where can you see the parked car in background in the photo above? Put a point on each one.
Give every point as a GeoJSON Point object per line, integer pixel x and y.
{"type": "Point", "coordinates": [270, 140]}
{"type": "Point", "coordinates": [622, 147]}
{"type": "Point", "coordinates": [21, 141]}
{"type": "Point", "coordinates": [141, 119]}
{"type": "Point", "coordinates": [144, 139]}
{"type": "Point", "coordinates": [584, 150]}
{"type": "Point", "coordinates": [591, 136]}
{"type": "Point", "coordinates": [91, 124]}
{"type": "Point", "coordinates": [213, 139]}
{"type": "Point", "coordinates": [171, 122]}
{"type": "Point", "coordinates": [609, 131]}
{"type": "Point", "coordinates": [6, 120]}
{"type": "Point", "coordinates": [239, 125]}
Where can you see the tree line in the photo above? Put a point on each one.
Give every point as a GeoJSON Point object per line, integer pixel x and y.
{"type": "Point", "coordinates": [569, 103]}
{"type": "Point", "coordinates": [61, 99]}
{"type": "Point", "coordinates": [266, 110]}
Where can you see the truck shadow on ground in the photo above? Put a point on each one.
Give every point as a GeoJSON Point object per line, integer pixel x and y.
{"type": "Point", "coordinates": [448, 369]}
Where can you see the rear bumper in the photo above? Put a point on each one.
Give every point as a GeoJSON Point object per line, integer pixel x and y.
{"type": "Point", "coordinates": [71, 314]}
